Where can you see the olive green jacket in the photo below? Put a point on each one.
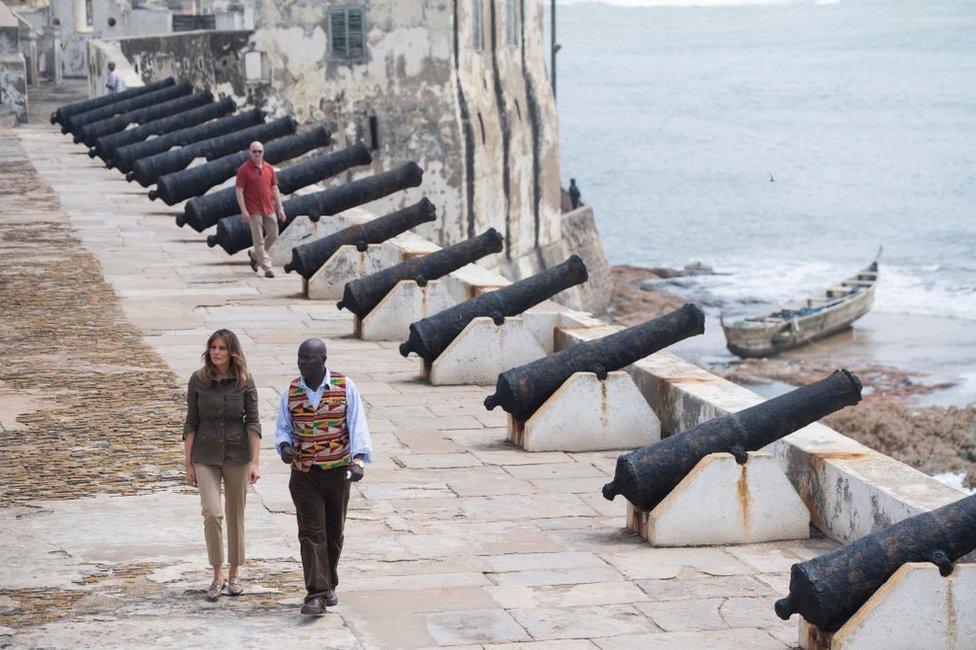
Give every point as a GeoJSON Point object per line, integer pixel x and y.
{"type": "Point", "coordinates": [219, 416]}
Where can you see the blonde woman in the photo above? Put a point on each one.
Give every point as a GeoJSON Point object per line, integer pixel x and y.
{"type": "Point", "coordinates": [221, 442]}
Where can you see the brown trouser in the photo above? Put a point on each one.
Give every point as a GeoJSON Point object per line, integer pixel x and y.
{"type": "Point", "coordinates": [235, 496]}
{"type": "Point", "coordinates": [264, 232]}
{"type": "Point", "coordinates": [321, 498]}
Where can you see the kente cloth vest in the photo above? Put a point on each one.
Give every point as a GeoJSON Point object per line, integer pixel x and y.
{"type": "Point", "coordinates": [320, 435]}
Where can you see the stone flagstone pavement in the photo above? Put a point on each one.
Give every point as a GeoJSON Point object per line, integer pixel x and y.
{"type": "Point", "coordinates": [454, 538]}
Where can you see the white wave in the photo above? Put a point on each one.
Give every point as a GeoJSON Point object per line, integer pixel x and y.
{"type": "Point", "coordinates": [954, 480]}
{"type": "Point", "coordinates": [915, 290]}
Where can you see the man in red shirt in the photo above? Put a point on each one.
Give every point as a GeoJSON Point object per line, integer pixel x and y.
{"type": "Point", "coordinates": [259, 200]}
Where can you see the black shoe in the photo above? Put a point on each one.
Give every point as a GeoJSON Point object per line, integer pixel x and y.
{"type": "Point", "coordinates": [331, 599]}
{"type": "Point", "coordinates": [314, 607]}
{"type": "Point", "coordinates": [253, 262]}
{"type": "Point", "coordinates": [269, 273]}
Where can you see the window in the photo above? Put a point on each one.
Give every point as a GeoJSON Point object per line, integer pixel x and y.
{"type": "Point", "coordinates": [478, 24]}
{"type": "Point", "coordinates": [511, 23]}
{"type": "Point", "coordinates": [347, 32]}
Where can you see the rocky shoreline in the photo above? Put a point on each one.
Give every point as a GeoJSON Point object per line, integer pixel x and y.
{"type": "Point", "coordinates": [933, 439]}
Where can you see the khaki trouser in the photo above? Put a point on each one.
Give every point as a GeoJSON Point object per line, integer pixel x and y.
{"type": "Point", "coordinates": [264, 232]}
{"type": "Point", "coordinates": [235, 496]}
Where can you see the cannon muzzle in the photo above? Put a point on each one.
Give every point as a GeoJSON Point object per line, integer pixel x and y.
{"type": "Point", "coordinates": [205, 211]}
{"type": "Point", "coordinates": [647, 475]}
{"type": "Point", "coordinates": [181, 185]}
{"type": "Point", "coordinates": [91, 153]}
{"type": "Point", "coordinates": [125, 156]}
{"type": "Point", "coordinates": [153, 195]}
{"type": "Point", "coordinates": [62, 113]}
{"type": "Point", "coordinates": [829, 589]}
{"type": "Point", "coordinates": [211, 240]}
{"type": "Point", "coordinates": [521, 391]}
{"type": "Point", "coordinates": [430, 336]}
{"type": "Point", "coordinates": [129, 176]}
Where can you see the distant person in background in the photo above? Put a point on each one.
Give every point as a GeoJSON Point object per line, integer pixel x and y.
{"type": "Point", "coordinates": [259, 200]}
{"type": "Point", "coordinates": [112, 80]}
{"type": "Point", "coordinates": [574, 194]}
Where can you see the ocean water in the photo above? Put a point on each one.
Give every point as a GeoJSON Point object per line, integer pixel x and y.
{"type": "Point", "coordinates": [675, 117]}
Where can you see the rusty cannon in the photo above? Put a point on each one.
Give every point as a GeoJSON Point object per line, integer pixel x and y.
{"type": "Point", "coordinates": [372, 232]}
{"type": "Point", "coordinates": [205, 211]}
{"type": "Point", "coordinates": [62, 113]}
{"type": "Point", "coordinates": [308, 258]}
{"type": "Point", "coordinates": [829, 589]}
{"type": "Point", "coordinates": [186, 183]}
{"type": "Point", "coordinates": [90, 133]}
{"type": "Point", "coordinates": [431, 336]}
{"type": "Point", "coordinates": [125, 156]}
{"type": "Point", "coordinates": [362, 295]}
{"type": "Point", "coordinates": [645, 476]}
{"type": "Point", "coordinates": [149, 170]}
{"type": "Point", "coordinates": [233, 235]}
{"type": "Point", "coordinates": [78, 120]}
{"type": "Point", "coordinates": [106, 146]}
{"type": "Point", "coordinates": [522, 390]}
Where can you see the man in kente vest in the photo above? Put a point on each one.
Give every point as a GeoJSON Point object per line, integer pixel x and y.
{"type": "Point", "coordinates": [322, 433]}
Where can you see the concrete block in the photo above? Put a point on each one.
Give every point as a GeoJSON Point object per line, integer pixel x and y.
{"type": "Point", "coordinates": [406, 303]}
{"type": "Point", "coordinates": [722, 502]}
{"type": "Point", "coordinates": [916, 608]}
{"type": "Point", "coordinates": [349, 264]}
{"type": "Point", "coordinates": [300, 231]}
{"type": "Point", "coordinates": [483, 350]}
{"type": "Point", "coordinates": [586, 414]}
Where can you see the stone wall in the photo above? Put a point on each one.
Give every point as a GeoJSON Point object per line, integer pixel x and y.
{"type": "Point", "coordinates": [13, 67]}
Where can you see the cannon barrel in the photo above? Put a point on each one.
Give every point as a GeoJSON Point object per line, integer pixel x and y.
{"type": "Point", "coordinates": [522, 390]}
{"type": "Point", "coordinates": [106, 146]}
{"type": "Point", "coordinates": [175, 187]}
{"type": "Point", "coordinates": [62, 113]}
{"type": "Point", "coordinates": [90, 133]}
{"type": "Point", "coordinates": [307, 259]}
{"type": "Point", "coordinates": [362, 295]}
{"type": "Point", "coordinates": [126, 156]}
{"type": "Point", "coordinates": [78, 120]}
{"type": "Point", "coordinates": [149, 170]}
{"type": "Point", "coordinates": [234, 235]}
{"type": "Point", "coordinates": [205, 211]}
{"type": "Point", "coordinates": [645, 476]}
{"type": "Point", "coordinates": [829, 589]}
{"type": "Point", "coordinates": [431, 336]}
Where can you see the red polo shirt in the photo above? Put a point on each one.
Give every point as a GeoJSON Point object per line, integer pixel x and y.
{"type": "Point", "coordinates": [257, 183]}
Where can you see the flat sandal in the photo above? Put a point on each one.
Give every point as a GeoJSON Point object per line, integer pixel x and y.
{"type": "Point", "coordinates": [216, 587]}
{"type": "Point", "coordinates": [235, 586]}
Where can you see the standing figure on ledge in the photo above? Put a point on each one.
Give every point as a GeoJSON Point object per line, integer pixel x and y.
{"type": "Point", "coordinates": [112, 80]}
{"type": "Point", "coordinates": [259, 200]}
{"type": "Point", "coordinates": [574, 194]}
{"type": "Point", "coordinates": [222, 443]}
{"type": "Point", "coordinates": [322, 433]}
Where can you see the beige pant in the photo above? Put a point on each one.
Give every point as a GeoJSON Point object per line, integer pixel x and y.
{"type": "Point", "coordinates": [264, 232]}
{"type": "Point", "coordinates": [235, 495]}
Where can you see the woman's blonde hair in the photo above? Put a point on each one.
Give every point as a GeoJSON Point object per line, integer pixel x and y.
{"type": "Point", "coordinates": [238, 366]}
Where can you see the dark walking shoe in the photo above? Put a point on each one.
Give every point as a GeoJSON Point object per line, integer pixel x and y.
{"type": "Point", "coordinates": [253, 262]}
{"type": "Point", "coordinates": [216, 587]}
{"type": "Point", "coordinates": [331, 599]}
{"type": "Point", "coordinates": [269, 273]}
{"type": "Point", "coordinates": [314, 607]}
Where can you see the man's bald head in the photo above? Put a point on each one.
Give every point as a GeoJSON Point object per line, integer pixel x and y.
{"type": "Point", "coordinates": [311, 361]}
{"type": "Point", "coordinates": [256, 150]}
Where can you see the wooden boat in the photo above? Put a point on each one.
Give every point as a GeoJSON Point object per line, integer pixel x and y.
{"type": "Point", "coordinates": [804, 321]}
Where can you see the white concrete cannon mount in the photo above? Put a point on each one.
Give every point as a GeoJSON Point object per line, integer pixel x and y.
{"type": "Point", "coordinates": [483, 349]}
{"type": "Point", "coordinates": [586, 414]}
{"type": "Point", "coordinates": [916, 609]}
{"type": "Point", "coordinates": [348, 264]}
{"type": "Point", "coordinates": [721, 502]}
{"type": "Point", "coordinates": [407, 302]}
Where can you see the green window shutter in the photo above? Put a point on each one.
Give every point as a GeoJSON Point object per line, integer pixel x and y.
{"type": "Point", "coordinates": [347, 27]}
{"type": "Point", "coordinates": [511, 22]}
{"type": "Point", "coordinates": [478, 24]}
